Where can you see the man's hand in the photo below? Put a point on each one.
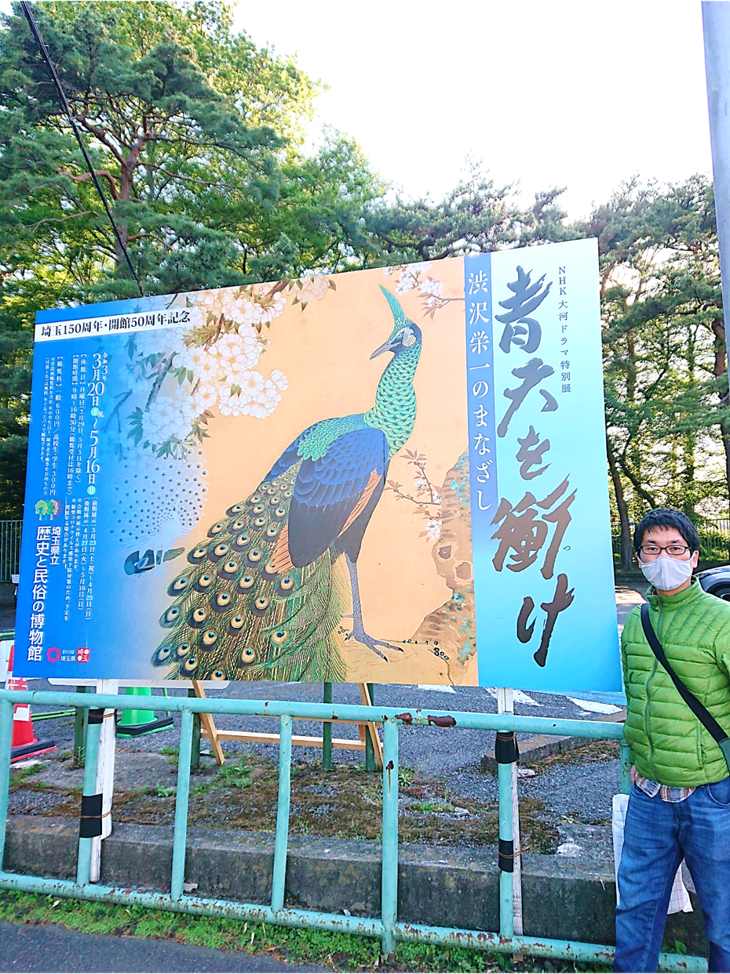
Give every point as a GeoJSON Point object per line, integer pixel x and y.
{"type": "Point", "coordinates": [633, 773]}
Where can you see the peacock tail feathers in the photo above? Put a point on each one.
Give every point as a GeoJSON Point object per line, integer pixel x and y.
{"type": "Point", "coordinates": [243, 611]}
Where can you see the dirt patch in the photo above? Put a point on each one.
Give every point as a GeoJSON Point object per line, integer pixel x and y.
{"type": "Point", "coordinates": [345, 802]}
{"type": "Point", "coordinates": [601, 750]}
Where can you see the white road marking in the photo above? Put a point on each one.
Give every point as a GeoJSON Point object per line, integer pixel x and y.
{"type": "Point", "coordinates": [518, 697]}
{"type": "Point", "coordinates": [593, 706]}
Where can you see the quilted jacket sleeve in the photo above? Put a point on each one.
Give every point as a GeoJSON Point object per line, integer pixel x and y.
{"type": "Point", "coordinates": [722, 649]}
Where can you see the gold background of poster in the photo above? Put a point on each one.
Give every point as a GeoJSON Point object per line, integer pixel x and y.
{"type": "Point", "coordinates": [324, 351]}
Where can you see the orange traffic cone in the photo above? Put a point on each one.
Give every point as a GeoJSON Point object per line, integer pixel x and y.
{"type": "Point", "coordinates": [24, 743]}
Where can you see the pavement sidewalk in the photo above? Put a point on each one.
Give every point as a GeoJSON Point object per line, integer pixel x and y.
{"type": "Point", "coordinates": [46, 947]}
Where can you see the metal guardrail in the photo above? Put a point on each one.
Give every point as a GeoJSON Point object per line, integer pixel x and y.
{"type": "Point", "coordinates": [10, 535]}
{"type": "Point", "coordinates": [387, 927]}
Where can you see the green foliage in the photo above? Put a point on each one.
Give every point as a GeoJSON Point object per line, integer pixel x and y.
{"type": "Point", "coordinates": [476, 216]}
{"type": "Point", "coordinates": [664, 349]}
{"type": "Point", "coordinates": [194, 133]}
{"type": "Point", "coordinates": [229, 775]}
{"type": "Point", "coordinates": [431, 806]}
{"type": "Point", "coordinates": [161, 136]}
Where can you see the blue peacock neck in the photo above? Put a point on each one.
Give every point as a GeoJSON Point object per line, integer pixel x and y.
{"type": "Point", "coordinates": [394, 411]}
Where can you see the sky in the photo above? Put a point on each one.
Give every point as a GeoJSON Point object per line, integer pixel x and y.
{"type": "Point", "coordinates": [548, 93]}
{"type": "Point", "coordinates": [576, 93]}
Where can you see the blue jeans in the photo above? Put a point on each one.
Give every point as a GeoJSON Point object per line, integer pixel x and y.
{"type": "Point", "coordinates": [657, 835]}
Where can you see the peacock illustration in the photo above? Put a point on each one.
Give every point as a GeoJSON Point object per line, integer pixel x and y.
{"type": "Point", "coordinates": [264, 595]}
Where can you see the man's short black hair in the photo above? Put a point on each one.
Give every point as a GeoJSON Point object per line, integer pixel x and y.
{"type": "Point", "coordinates": [667, 517]}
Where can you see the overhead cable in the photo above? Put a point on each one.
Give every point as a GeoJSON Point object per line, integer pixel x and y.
{"type": "Point", "coordinates": [67, 109]}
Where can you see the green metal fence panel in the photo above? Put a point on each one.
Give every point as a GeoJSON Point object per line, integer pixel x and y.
{"type": "Point", "coordinates": [387, 927]}
{"type": "Point", "coordinates": [10, 535]}
{"type": "Point", "coordinates": [714, 543]}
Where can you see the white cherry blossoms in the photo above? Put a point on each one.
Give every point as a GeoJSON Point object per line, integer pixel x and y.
{"type": "Point", "coordinates": [184, 374]}
{"type": "Point", "coordinates": [416, 277]}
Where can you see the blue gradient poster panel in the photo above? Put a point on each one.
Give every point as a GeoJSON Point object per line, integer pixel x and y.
{"type": "Point", "coordinates": [543, 565]}
{"type": "Point", "coordinates": [391, 476]}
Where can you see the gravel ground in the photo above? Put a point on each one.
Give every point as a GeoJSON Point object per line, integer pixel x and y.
{"type": "Point", "coordinates": [581, 793]}
{"type": "Point", "coordinates": [570, 791]}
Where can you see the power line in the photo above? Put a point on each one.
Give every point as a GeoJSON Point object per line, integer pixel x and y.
{"type": "Point", "coordinates": [67, 109]}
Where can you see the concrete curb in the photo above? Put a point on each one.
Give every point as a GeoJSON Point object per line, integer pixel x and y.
{"type": "Point", "coordinates": [537, 746]}
{"type": "Point", "coordinates": [571, 899]}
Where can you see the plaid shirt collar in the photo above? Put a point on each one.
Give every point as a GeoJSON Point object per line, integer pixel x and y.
{"type": "Point", "coordinates": [668, 793]}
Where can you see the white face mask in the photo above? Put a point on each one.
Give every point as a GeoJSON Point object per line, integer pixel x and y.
{"type": "Point", "coordinates": [666, 573]}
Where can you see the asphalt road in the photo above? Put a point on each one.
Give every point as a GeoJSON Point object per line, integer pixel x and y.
{"type": "Point", "coordinates": [45, 947]}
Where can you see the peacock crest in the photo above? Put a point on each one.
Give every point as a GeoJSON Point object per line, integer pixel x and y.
{"type": "Point", "coordinates": [263, 595]}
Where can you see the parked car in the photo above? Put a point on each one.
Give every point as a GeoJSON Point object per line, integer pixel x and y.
{"type": "Point", "coordinates": [716, 581]}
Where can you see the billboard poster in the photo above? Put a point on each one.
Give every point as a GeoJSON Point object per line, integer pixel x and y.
{"type": "Point", "coordinates": [393, 476]}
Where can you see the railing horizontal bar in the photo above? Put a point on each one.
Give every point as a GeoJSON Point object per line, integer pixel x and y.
{"type": "Point", "coordinates": [534, 946]}
{"type": "Point", "coordinates": [321, 711]}
{"type": "Point", "coordinates": [195, 905]}
{"type": "Point", "coordinates": [363, 926]}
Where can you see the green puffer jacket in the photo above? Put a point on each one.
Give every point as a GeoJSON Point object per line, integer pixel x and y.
{"type": "Point", "coordinates": [668, 743]}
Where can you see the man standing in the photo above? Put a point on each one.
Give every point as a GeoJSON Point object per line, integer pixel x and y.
{"type": "Point", "coordinates": [680, 798]}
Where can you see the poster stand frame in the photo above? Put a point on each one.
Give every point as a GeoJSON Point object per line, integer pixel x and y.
{"type": "Point", "coordinates": [215, 735]}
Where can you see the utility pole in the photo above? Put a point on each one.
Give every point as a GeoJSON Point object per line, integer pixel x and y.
{"type": "Point", "coordinates": [716, 30]}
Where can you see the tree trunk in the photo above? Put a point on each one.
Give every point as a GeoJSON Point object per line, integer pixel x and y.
{"type": "Point", "coordinates": [635, 482]}
{"type": "Point", "coordinates": [623, 513]}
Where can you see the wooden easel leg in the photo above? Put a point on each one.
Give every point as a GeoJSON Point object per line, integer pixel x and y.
{"type": "Point", "coordinates": [208, 726]}
{"type": "Point", "coordinates": [371, 727]}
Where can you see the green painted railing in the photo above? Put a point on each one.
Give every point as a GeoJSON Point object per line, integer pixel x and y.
{"type": "Point", "coordinates": [387, 927]}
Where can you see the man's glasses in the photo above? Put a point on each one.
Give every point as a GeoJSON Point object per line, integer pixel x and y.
{"type": "Point", "coordinates": [675, 550]}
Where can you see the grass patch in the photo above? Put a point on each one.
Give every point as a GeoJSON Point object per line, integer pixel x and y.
{"type": "Point", "coordinates": [229, 775]}
{"type": "Point", "coordinates": [20, 776]}
{"type": "Point", "coordinates": [440, 808]}
{"type": "Point", "coordinates": [343, 952]}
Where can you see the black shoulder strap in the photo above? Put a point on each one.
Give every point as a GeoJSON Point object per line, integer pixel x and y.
{"type": "Point", "coordinates": [698, 709]}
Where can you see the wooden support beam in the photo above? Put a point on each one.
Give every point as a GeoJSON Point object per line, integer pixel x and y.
{"type": "Point", "coordinates": [372, 727]}
{"type": "Point", "coordinates": [209, 730]}
{"type": "Point", "coordinates": [261, 738]}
